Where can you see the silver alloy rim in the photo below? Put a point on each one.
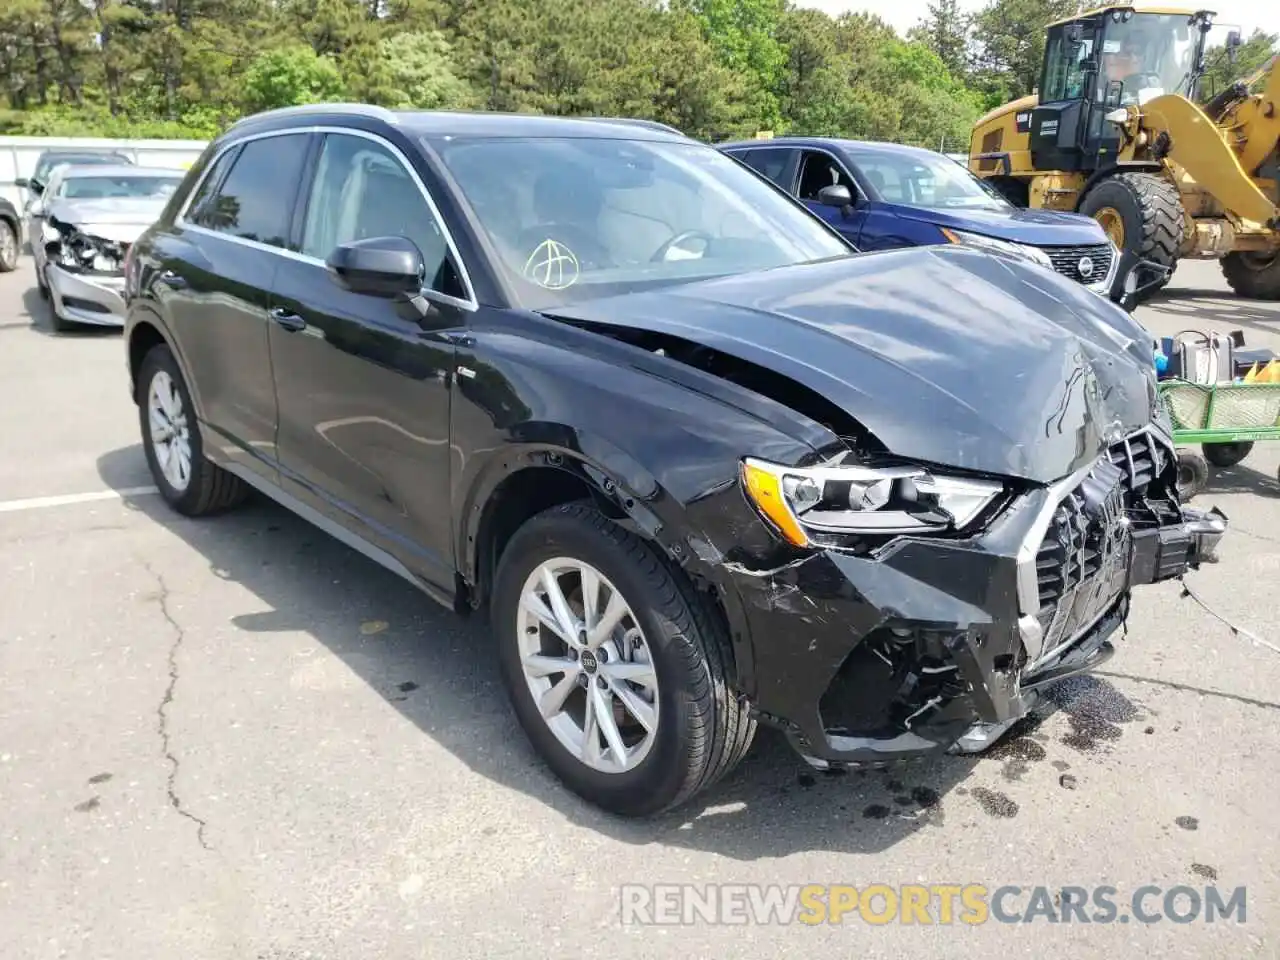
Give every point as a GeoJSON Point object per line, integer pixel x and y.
{"type": "Point", "coordinates": [587, 664]}
{"type": "Point", "coordinates": [170, 435]}
{"type": "Point", "coordinates": [8, 244]}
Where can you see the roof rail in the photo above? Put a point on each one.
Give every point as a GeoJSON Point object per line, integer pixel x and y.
{"type": "Point", "coordinates": [636, 122]}
{"type": "Point", "coordinates": [355, 109]}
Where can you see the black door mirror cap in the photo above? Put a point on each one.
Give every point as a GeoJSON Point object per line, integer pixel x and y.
{"type": "Point", "coordinates": [390, 267]}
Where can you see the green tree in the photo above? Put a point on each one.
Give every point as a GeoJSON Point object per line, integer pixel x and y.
{"type": "Point", "coordinates": [290, 75]}
{"type": "Point", "coordinates": [1251, 55]}
{"type": "Point", "coordinates": [945, 31]}
{"type": "Point", "coordinates": [409, 70]}
{"type": "Point", "coordinates": [744, 34]}
{"type": "Point", "coordinates": [1009, 38]}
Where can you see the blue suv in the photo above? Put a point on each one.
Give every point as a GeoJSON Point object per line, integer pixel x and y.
{"type": "Point", "coordinates": [883, 195]}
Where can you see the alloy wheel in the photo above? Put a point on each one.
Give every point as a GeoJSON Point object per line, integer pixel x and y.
{"type": "Point", "coordinates": [170, 432]}
{"type": "Point", "coordinates": [8, 245]}
{"type": "Point", "coordinates": [587, 664]}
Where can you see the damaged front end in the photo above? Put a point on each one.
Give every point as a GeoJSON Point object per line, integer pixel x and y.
{"type": "Point", "coordinates": [85, 272]}
{"type": "Point", "coordinates": [940, 638]}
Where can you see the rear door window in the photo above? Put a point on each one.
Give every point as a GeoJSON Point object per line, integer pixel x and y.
{"type": "Point", "coordinates": [255, 201]}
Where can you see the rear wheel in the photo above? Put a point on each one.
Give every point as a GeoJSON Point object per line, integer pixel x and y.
{"type": "Point", "coordinates": [1253, 275]}
{"type": "Point", "coordinates": [190, 484]}
{"type": "Point", "coordinates": [1227, 454]}
{"type": "Point", "coordinates": [617, 668]}
{"type": "Point", "coordinates": [1142, 215]}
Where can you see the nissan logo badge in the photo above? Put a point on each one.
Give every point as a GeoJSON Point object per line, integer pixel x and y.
{"type": "Point", "coordinates": [1085, 266]}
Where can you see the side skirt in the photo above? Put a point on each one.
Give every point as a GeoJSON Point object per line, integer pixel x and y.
{"type": "Point", "coordinates": [337, 531]}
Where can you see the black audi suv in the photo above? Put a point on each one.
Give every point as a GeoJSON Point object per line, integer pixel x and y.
{"type": "Point", "coordinates": [703, 463]}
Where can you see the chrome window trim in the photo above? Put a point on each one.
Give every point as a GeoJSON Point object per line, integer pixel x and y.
{"type": "Point", "coordinates": [180, 218]}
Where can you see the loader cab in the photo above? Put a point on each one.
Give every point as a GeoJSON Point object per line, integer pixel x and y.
{"type": "Point", "coordinates": [1102, 61]}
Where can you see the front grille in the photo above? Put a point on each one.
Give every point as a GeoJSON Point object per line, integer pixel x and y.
{"type": "Point", "coordinates": [1067, 261]}
{"type": "Point", "coordinates": [1082, 562]}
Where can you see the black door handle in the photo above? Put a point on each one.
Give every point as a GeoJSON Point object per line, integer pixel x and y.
{"type": "Point", "coordinates": [287, 319]}
{"type": "Point", "coordinates": [170, 279]}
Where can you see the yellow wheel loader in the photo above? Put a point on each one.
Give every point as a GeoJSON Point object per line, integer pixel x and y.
{"type": "Point", "coordinates": [1114, 131]}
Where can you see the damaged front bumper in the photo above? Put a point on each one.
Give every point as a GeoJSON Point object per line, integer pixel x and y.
{"type": "Point", "coordinates": [935, 644]}
{"type": "Point", "coordinates": [92, 298]}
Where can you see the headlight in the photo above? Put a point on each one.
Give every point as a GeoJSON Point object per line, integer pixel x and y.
{"type": "Point", "coordinates": [853, 499]}
{"type": "Point", "coordinates": [992, 245]}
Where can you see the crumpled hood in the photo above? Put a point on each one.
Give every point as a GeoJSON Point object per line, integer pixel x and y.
{"type": "Point", "coordinates": [1041, 228]}
{"type": "Point", "coordinates": [121, 220]}
{"type": "Point", "coordinates": [948, 355]}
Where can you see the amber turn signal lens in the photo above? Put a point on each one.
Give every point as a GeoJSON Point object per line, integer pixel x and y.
{"type": "Point", "coordinates": [765, 490]}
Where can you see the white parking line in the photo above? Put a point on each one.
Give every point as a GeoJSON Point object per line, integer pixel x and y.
{"type": "Point", "coordinates": [36, 503]}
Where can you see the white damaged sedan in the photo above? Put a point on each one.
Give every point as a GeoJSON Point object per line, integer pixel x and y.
{"type": "Point", "coordinates": [83, 226]}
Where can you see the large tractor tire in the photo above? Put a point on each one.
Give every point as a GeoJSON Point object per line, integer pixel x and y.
{"type": "Point", "coordinates": [1253, 275]}
{"type": "Point", "coordinates": [1142, 214]}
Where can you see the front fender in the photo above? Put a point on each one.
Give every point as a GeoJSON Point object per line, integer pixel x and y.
{"type": "Point", "coordinates": [663, 454]}
{"type": "Point", "coordinates": [143, 314]}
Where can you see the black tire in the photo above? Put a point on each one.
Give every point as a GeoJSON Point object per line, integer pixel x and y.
{"type": "Point", "coordinates": [1253, 275]}
{"type": "Point", "coordinates": [1226, 454]}
{"type": "Point", "coordinates": [703, 730]}
{"type": "Point", "coordinates": [209, 489]}
{"type": "Point", "coordinates": [8, 247]}
{"type": "Point", "coordinates": [1193, 474]}
{"type": "Point", "coordinates": [1150, 209]}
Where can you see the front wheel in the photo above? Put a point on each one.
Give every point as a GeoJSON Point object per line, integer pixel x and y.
{"type": "Point", "coordinates": [1193, 474]}
{"type": "Point", "coordinates": [617, 669]}
{"type": "Point", "coordinates": [1141, 214]}
{"type": "Point", "coordinates": [8, 247]}
{"type": "Point", "coordinates": [189, 483]}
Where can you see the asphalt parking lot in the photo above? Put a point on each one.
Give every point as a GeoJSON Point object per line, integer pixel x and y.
{"type": "Point", "coordinates": [236, 738]}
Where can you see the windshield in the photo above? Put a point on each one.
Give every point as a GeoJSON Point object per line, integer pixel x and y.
{"type": "Point", "coordinates": [105, 188]}
{"type": "Point", "coordinates": [1151, 54]}
{"type": "Point", "coordinates": [927, 180]}
{"type": "Point", "coordinates": [579, 218]}
{"type": "Point", "coordinates": [46, 163]}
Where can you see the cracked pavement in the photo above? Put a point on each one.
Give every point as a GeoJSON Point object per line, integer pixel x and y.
{"type": "Point", "coordinates": [162, 716]}
{"type": "Point", "coordinates": [235, 738]}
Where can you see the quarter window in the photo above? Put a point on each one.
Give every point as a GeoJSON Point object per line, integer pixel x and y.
{"type": "Point", "coordinates": [256, 199]}
{"type": "Point", "coordinates": [362, 190]}
{"type": "Point", "coordinates": [770, 163]}
{"type": "Point", "coordinates": [210, 183]}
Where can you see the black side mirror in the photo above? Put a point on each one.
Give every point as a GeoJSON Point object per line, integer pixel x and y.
{"type": "Point", "coordinates": [1233, 44]}
{"type": "Point", "coordinates": [389, 267]}
{"type": "Point", "coordinates": [1075, 33]}
{"type": "Point", "coordinates": [836, 195]}
{"type": "Point", "coordinates": [22, 182]}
